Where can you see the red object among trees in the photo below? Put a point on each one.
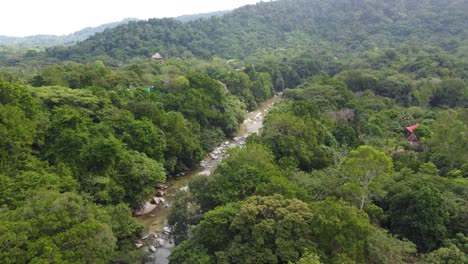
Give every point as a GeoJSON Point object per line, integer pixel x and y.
{"type": "Point", "coordinates": [412, 128]}
{"type": "Point", "coordinates": [410, 136]}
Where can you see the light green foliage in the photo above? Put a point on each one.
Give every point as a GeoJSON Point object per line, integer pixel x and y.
{"type": "Point", "coordinates": [19, 120]}
{"type": "Point", "coordinates": [270, 229]}
{"type": "Point", "coordinates": [13, 238]}
{"type": "Point", "coordinates": [54, 75]}
{"type": "Point", "coordinates": [138, 175]}
{"type": "Point", "coordinates": [101, 152]}
{"type": "Point", "coordinates": [449, 139]}
{"type": "Point", "coordinates": [17, 134]}
{"type": "Point", "coordinates": [55, 228]}
{"type": "Point", "coordinates": [247, 171]}
{"type": "Point", "coordinates": [325, 93]}
{"type": "Point", "coordinates": [240, 84]}
{"type": "Point", "coordinates": [19, 96]}
{"type": "Point", "coordinates": [183, 147]}
{"type": "Point", "coordinates": [273, 229]}
{"type": "Point", "coordinates": [121, 220]}
{"type": "Point", "coordinates": [140, 135]}
{"type": "Point", "coordinates": [54, 96]}
{"type": "Point", "coordinates": [88, 242]}
{"type": "Point", "coordinates": [367, 168]}
{"type": "Point", "coordinates": [214, 230]}
{"type": "Point", "coordinates": [181, 83]}
{"type": "Point", "coordinates": [423, 92]}
{"type": "Point", "coordinates": [300, 138]}
{"type": "Point", "coordinates": [308, 258]}
{"type": "Point", "coordinates": [383, 248]}
{"type": "Point", "coordinates": [340, 230]}
{"type": "Point", "coordinates": [67, 134]}
{"type": "Point", "coordinates": [264, 229]}
{"type": "Point", "coordinates": [319, 184]}
{"type": "Point", "coordinates": [443, 255]}
{"type": "Point", "coordinates": [429, 169]}
{"type": "Point", "coordinates": [16, 189]}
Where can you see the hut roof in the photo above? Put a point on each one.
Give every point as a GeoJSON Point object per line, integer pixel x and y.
{"type": "Point", "coordinates": [412, 128]}
{"type": "Point", "coordinates": [157, 56]}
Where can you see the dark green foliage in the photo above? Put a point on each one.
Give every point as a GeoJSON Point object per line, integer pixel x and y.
{"type": "Point", "coordinates": [190, 253]}
{"type": "Point", "coordinates": [452, 93]}
{"type": "Point", "coordinates": [300, 138]}
{"type": "Point", "coordinates": [419, 215]}
{"type": "Point", "coordinates": [245, 172]}
{"type": "Point", "coordinates": [184, 214]}
{"type": "Point", "coordinates": [340, 230]}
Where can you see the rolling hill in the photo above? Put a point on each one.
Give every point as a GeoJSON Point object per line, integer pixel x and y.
{"type": "Point", "coordinates": [283, 28]}
{"type": "Point", "coordinates": [54, 40]}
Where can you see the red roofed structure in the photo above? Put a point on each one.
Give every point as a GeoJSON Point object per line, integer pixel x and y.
{"type": "Point", "coordinates": [410, 136]}
{"type": "Point", "coordinates": [412, 128]}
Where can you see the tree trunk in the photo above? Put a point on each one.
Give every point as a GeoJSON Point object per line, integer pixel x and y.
{"type": "Point", "coordinates": [363, 199]}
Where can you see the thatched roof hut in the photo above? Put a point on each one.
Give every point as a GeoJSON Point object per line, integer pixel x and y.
{"type": "Point", "coordinates": [157, 57]}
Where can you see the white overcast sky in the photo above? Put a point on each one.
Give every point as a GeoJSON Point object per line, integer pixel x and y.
{"type": "Point", "coordinates": [59, 17]}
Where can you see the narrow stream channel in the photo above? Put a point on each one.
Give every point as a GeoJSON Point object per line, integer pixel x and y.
{"type": "Point", "coordinates": [156, 236]}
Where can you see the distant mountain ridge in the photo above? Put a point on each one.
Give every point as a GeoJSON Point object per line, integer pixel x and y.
{"type": "Point", "coordinates": [283, 27]}
{"type": "Point", "coordinates": [54, 40]}
{"type": "Point", "coordinates": [83, 34]}
{"type": "Point", "coordinates": [188, 18]}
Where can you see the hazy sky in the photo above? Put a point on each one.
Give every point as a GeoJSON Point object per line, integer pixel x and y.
{"type": "Point", "coordinates": [59, 17]}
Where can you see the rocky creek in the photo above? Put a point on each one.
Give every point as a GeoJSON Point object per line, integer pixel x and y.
{"type": "Point", "coordinates": [157, 233]}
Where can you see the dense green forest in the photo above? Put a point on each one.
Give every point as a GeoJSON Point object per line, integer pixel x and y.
{"type": "Point", "coordinates": [339, 174]}
{"type": "Point", "coordinates": [340, 27]}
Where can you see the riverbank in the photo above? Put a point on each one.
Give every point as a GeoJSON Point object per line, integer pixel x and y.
{"type": "Point", "coordinates": [155, 222]}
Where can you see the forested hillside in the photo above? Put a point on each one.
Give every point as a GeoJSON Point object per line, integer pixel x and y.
{"type": "Point", "coordinates": [363, 160]}
{"type": "Point", "coordinates": [285, 28]}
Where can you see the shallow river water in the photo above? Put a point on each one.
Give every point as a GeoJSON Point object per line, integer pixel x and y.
{"type": "Point", "coordinates": [157, 238]}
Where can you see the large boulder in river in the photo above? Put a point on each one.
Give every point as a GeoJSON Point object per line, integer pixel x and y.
{"type": "Point", "coordinates": [146, 208]}
{"type": "Point", "coordinates": [161, 186]}
{"type": "Point", "coordinates": [159, 200]}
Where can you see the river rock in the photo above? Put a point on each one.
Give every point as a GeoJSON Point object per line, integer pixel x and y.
{"type": "Point", "coordinates": [138, 245]}
{"type": "Point", "coordinates": [161, 186]}
{"type": "Point", "coordinates": [146, 208]}
{"type": "Point", "coordinates": [159, 200]}
{"type": "Point", "coordinates": [160, 193]}
{"type": "Point", "coordinates": [167, 230]}
{"type": "Point", "coordinates": [205, 173]}
{"type": "Point", "coordinates": [161, 242]}
{"type": "Point", "coordinates": [153, 249]}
